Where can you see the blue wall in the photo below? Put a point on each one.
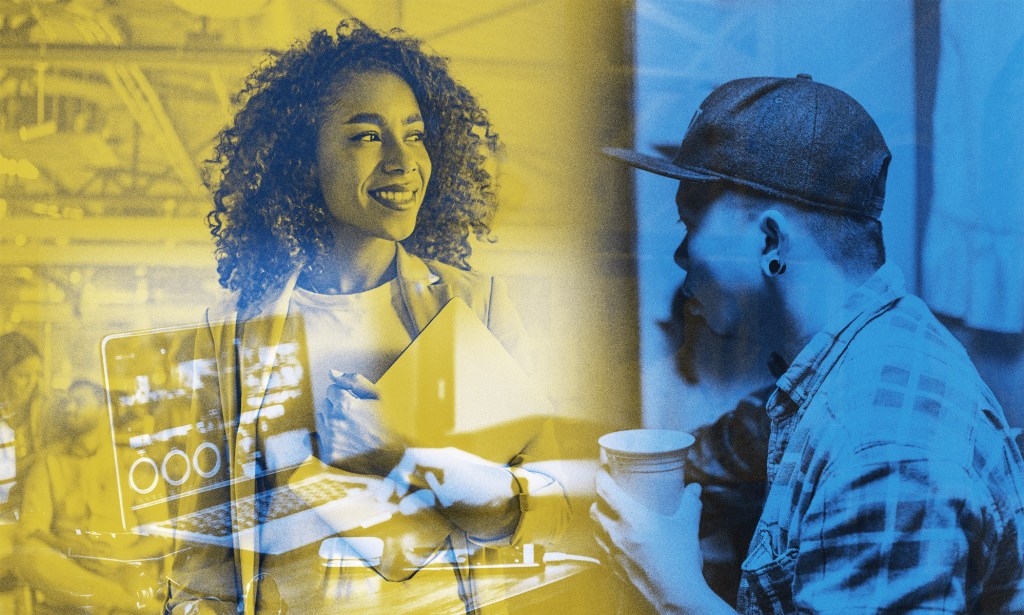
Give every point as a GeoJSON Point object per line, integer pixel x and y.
{"type": "Point", "coordinates": [686, 48]}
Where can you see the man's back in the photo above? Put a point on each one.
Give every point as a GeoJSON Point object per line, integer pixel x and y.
{"type": "Point", "coordinates": [894, 480]}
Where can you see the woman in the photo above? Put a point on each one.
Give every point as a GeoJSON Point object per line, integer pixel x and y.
{"type": "Point", "coordinates": [350, 182]}
{"type": "Point", "coordinates": [21, 369]}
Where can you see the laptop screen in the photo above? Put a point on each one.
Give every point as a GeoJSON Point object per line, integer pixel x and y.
{"type": "Point", "coordinates": [168, 427]}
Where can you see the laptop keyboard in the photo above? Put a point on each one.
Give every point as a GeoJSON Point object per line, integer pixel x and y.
{"type": "Point", "coordinates": [274, 504]}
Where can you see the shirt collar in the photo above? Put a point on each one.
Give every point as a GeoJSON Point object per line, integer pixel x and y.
{"type": "Point", "coordinates": [805, 374]}
{"type": "Point", "coordinates": [412, 269]}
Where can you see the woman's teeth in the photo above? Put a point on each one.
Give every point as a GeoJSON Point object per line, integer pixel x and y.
{"type": "Point", "coordinates": [392, 197]}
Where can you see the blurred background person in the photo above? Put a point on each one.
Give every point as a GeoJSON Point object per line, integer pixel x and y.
{"type": "Point", "coordinates": [73, 551]}
{"type": "Point", "coordinates": [21, 367]}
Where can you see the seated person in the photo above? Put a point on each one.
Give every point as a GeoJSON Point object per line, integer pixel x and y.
{"type": "Point", "coordinates": [20, 371]}
{"type": "Point", "coordinates": [894, 483]}
{"type": "Point", "coordinates": [73, 548]}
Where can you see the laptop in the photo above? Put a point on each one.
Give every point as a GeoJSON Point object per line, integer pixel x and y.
{"type": "Point", "coordinates": [453, 382]}
{"type": "Point", "coordinates": [164, 457]}
{"type": "Point", "coordinates": [455, 385]}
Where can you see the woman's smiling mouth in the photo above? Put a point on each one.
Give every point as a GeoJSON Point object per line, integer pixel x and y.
{"type": "Point", "coordinates": [394, 197]}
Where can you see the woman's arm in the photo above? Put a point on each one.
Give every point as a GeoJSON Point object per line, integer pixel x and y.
{"type": "Point", "coordinates": [204, 575]}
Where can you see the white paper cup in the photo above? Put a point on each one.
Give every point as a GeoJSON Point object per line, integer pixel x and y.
{"type": "Point", "coordinates": [648, 464]}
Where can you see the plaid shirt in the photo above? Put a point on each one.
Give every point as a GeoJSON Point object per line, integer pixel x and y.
{"type": "Point", "coordinates": [894, 484]}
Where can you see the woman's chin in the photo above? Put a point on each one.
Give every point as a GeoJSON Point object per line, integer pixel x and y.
{"type": "Point", "coordinates": [398, 234]}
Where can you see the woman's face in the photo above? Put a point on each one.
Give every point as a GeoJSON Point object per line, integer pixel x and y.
{"type": "Point", "coordinates": [371, 157]}
{"type": "Point", "coordinates": [22, 380]}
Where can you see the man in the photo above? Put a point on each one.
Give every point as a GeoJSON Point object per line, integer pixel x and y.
{"type": "Point", "coordinates": [73, 549]}
{"type": "Point", "coordinates": [893, 484]}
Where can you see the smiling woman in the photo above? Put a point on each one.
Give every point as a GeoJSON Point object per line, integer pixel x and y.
{"type": "Point", "coordinates": [373, 163]}
{"type": "Point", "coordinates": [325, 123]}
{"type": "Point", "coordinates": [346, 192]}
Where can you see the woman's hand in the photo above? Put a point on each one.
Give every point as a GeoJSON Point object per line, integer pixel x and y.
{"type": "Point", "coordinates": [658, 554]}
{"type": "Point", "coordinates": [352, 435]}
{"type": "Point", "coordinates": [473, 493]}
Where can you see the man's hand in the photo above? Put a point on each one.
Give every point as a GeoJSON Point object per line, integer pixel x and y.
{"type": "Point", "coordinates": [658, 554]}
{"type": "Point", "coordinates": [352, 435]}
{"type": "Point", "coordinates": [473, 493]}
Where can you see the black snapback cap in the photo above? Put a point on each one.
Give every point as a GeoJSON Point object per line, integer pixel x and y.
{"type": "Point", "coordinates": [790, 138]}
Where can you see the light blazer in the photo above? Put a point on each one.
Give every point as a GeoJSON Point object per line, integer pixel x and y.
{"type": "Point", "coordinates": [210, 574]}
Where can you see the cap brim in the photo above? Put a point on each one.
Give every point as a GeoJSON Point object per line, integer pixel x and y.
{"type": "Point", "coordinates": [656, 165]}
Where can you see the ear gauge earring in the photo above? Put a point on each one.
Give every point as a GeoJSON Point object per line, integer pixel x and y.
{"type": "Point", "coordinates": [775, 267]}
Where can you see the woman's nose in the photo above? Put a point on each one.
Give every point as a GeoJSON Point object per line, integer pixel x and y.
{"type": "Point", "coordinates": [398, 158]}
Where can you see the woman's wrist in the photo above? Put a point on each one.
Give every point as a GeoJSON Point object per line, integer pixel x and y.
{"type": "Point", "coordinates": [498, 515]}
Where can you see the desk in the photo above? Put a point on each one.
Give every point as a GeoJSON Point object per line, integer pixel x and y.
{"type": "Point", "coordinates": [306, 586]}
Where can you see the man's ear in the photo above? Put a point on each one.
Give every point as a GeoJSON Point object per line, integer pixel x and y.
{"type": "Point", "coordinates": [777, 239]}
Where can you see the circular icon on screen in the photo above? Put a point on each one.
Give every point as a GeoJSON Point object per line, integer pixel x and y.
{"type": "Point", "coordinates": [148, 471]}
{"type": "Point", "coordinates": [181, 470]}
{"type": "Point", "coordinates": [199, 460]}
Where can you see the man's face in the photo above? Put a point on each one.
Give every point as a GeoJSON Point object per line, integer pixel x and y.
{"type": "Point", "coordinates": [720, 254]}
{"type": "Point", "coordinates": [85, 419]}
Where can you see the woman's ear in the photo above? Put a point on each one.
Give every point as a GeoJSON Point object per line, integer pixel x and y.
{"type": "Point", "coordinates": [777, 238]}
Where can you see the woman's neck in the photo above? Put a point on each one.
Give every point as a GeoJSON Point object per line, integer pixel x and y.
{"type": "Point", "coordinates": [355, 264]}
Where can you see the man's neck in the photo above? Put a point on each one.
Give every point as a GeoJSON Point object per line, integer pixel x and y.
{"type": "Point", "coordinates": [812, 295]}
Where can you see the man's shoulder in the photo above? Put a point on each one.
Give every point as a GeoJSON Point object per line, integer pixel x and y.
{"type": "Point", "coordinates": [905, 381]}
{"type": "Point", "coordinates": [911, 326]}
{"type": "Point", "coordinates": [908, 347]}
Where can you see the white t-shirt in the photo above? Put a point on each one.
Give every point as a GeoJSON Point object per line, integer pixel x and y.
{"type": "Point", "coordinates": [8, 463]}
{"type": "Point", "coordinates": [359, 333]}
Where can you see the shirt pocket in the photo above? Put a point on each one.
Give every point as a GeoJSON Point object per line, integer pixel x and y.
{"type": "Point", "coordinates": [766, 583]}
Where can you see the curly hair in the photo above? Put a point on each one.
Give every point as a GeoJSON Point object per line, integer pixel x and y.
{"type": "Point", "coordinates": [269, 217]}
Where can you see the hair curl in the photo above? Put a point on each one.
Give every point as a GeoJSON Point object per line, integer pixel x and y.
{"type": "Point", "coordinates": [269, 217]}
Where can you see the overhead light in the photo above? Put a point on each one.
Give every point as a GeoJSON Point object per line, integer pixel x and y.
{"type": "Point", "coordinates": [37, 131]}
{"type": "Point", "coordinates": [18, 168]}
{"type": "Point", "coordinates": [225, 9]}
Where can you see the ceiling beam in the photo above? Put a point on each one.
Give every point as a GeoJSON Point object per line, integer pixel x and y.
{"type": "Point", "coordinates": [197, 58]}
{"type": "Point", "coordinates": [120, 201]}
{"type": "Point", "coordinates": [97, 56]}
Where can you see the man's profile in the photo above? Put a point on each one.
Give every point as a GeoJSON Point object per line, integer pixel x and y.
{"type": "Point", "coordinates": [893, 481]}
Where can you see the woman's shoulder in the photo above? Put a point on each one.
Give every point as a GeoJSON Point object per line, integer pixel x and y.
{"type": "Point", "coordinates": [223, 308]}
{"type": "Point", "coordinates": [488, 296]}
{"type": "Point", "coordinates": [460, 278]}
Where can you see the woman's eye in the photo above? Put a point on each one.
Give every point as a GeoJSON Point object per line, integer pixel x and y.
{"type": "Point", "coordinates": [366, 136]}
